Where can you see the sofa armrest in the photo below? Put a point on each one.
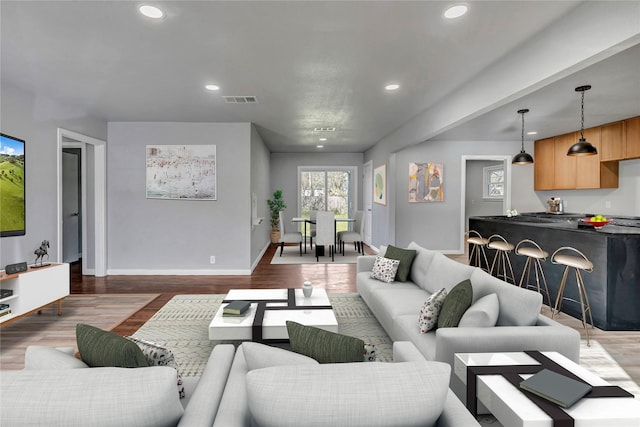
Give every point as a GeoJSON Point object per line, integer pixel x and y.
{"type": "Point", "coordinates": [455, 414]}
{"type": "Point", "coordinates": [203, 405]}
{"type": "Point", "coordinates": [506, 338]}
{"type": "Point", "coordinates": [365, 263]}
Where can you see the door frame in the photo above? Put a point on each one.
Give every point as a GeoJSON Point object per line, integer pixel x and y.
{"type": "Point", "coordinates": [506, 201]}
{"type": "Point", "coordinates": [367, 193]}
{"type": "Point", "coordinates": [99, 174]}
{"type": "Point", "coordinates": [83, 202]}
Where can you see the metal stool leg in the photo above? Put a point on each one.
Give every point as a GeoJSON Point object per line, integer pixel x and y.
{"type": "Point", "coordinates": [584, 300]}
{"type": "Point", "coordinates": [558, 305]}
{"type": "Point", "coordinates": [544, 281]}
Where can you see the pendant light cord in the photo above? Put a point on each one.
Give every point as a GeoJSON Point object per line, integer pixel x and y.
{"type": "Point", "coordinates": [582, 117]}
{"type": "Point", "coordinates": [522, 132]}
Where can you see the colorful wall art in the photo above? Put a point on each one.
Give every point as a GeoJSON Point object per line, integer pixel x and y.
{"type": "Point", "coordinates": [425, 182]}
{"type": "Point", "coordinates": [380, 185]}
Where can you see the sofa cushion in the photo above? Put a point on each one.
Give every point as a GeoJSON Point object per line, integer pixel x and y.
{"type": "Point", "coordinates": [518, 306]}
{"type": "Point", "coordinates": [324, 346]}
{"type": "Point", "coordinates": [482, 314]}
{"type": "Point", "coordinates": [404, 329]}
{"type": "Point", "coordinates": [430, 310]}
{"type": "Point", "coordinates": [258, 356]}
{"type": "Point", "coordinates": [355, 395]}
{"type": "Point", "coordinates": [405, 256]}
{"type": "Point", "coordinates": [159, 355]}
{"type": "Point", "coordinates": [433, 271]}
{"type": "Point", "coordinates": [98, 397]}
{"type": "Point", "coordinates": [101, 348]}
{"type": "Point", "coordinates": [384, 269]}
{"type": "Point", "coordinates": [389, 303]}
{"type": "Point", "coordinates": [458, 300]}
{"type": "Point", "coordinates": [41, 357]}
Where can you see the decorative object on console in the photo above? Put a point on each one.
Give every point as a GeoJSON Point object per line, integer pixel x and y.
{"type": "Point", "coordinates": [40, 253]}
{"type": "Point", "coordinates": [522, 158]}
{"type": "Point", "coordinates": [582, 147]}
{"type": "Point", "coordinates": [18, 267]}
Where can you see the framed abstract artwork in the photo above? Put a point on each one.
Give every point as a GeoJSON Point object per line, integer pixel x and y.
{"type": "Point", "coordinates": [380, 185]}
{"type": "Point", "coordinates": [181, 172]}
{"type": "Point", "coordinates": [425, 182]}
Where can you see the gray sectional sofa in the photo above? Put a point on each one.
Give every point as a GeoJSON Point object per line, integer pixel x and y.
{"type": "Point", "coordinates": [256, 385]}
{"type": "Point", "coordinates": [520, 326]}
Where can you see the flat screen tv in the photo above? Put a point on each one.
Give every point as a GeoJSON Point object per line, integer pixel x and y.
{"type": "Point", "coordinates": [12, 186]}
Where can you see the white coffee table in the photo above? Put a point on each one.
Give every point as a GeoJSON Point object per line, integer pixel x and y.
{"type": "Point", "coordinates": [512, 408]}
{"type": "Point", "coordinates": [270, 309]}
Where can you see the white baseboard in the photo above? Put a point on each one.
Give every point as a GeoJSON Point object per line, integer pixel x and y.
{"type": "Point", "coordinates": [257, 260]}
{"type": "Point", "coordinates": [144, 272]}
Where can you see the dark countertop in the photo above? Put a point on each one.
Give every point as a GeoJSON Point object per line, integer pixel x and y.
{"type": "Point", "coordinates": [572, 221]}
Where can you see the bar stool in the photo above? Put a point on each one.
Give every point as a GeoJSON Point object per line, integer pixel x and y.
{"type": "Point", "coordinates": [477, 250]}
{"type": "Point", "coordinates": [501, 258]}
{"type": "Point", "coordinates": [534, 254]}
{"type": "Point", "coordinates": [577, 263]}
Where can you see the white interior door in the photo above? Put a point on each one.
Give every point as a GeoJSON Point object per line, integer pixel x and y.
{"type": "Point", "coordinates": [367, 200]}
{"type": "Point", "coordinates": [70, 208]}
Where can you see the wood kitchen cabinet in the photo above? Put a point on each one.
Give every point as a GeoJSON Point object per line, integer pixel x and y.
{"type": "Point", "coordinates": [543, 165]}
{"type": "Point", "coordinates": [565, 167]}
{"type": "Point", "coordinates": [632, 140]}
{"type": "Point", "coordinates": [613, 147]}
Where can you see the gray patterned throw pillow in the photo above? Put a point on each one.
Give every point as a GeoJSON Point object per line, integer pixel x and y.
{"type": "Point", "coordinates": [384, 269]}
{"type": "Point", "coordinates": [431, 310]}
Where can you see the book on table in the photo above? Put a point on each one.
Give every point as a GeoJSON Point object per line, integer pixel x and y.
{"type": "Point", "coordinates": [236, 308]}
{"type": "Point", "coordinates": [555, 387]}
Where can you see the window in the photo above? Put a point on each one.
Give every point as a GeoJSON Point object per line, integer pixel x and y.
{"type": "Point", "coordinates": [493, 182]}
{"type": "Point", "coordinates": [326, 189]}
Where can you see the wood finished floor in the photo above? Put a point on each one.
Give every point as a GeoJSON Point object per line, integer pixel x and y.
{"type": "Point", "coordinates": [622, 345]}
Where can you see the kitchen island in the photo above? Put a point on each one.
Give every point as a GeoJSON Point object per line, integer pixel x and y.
{"type": "Point", "coordinates": [614, 285]}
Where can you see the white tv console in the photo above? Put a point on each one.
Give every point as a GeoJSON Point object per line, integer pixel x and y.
{"type": "Point", "coordinates": [34, 290]}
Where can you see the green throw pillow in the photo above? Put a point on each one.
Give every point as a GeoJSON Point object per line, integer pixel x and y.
{"type": "Point", "coordinates": [455, 304]}
{"type": "Point", "coordinates": [324, 346]}
{"type": "Point", "coordinates": [101, 348]}
{"type": "Point", "coordinates": [405, 256]}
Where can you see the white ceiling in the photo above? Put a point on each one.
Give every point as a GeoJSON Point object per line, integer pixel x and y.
{"type": "Point", "coordinates": [309, 63]}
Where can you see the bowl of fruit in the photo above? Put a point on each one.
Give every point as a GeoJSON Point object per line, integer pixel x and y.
{"type": "Point", "coordinates": [597, 221]}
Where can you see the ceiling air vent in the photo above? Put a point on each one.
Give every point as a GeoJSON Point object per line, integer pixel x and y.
{"type": "Point", "coordinates": [240, 99]}
{"type": "Point", "coordinates": [324, 129]}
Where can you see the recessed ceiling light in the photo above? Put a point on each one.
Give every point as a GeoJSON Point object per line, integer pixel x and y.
{"type": "Point", "coordinates": [533, 132]}
{"type": "Point", "coordinates": [456, 11]}
{"type": "Point", "coordinates": [320, 146]}
{"type": "Point", "coordinates": [212, 87]}
{"type": "Point", "coordinates": [392, 86]}
{"type": "Point", "coordinates": [323, 139]}
{"type": "Point", "coordinates": [151, 11]}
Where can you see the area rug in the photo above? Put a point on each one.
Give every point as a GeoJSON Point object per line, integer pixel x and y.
{"type": "Point", "coordinates": [182, 325]}
{"type": "Point", "coordinates": [104, 311]}
{"type": "Point", "coordinates": [291, 255]}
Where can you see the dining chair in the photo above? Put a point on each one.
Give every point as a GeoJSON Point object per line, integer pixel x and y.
{"type": "Point", "coordinates": [325, 233]}
{"type": "Point", "coordinates": [354, 236]}
{"type": "Point", "coordinates": [288, 237]}
{"type": "Point", "coordinates": [312, 227]}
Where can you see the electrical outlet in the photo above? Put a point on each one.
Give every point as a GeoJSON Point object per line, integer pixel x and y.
{"type": "Point", "coordinates": [607, 204]}
{"type": "Point", "coordinates": [212, 259]}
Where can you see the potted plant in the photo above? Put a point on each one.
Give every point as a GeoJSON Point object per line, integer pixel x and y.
{"type": "Point", "coordinates": [275, 206]}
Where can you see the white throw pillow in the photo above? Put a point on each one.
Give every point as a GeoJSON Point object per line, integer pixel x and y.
{"type": "Point", "coordinates": [482, 314]}
{"type": "Point", "coordinates": [431, 310]}
{"type": "Point", "coordinates": [260, 356]}
{"type": "Point", "coordinates": [384, 269]}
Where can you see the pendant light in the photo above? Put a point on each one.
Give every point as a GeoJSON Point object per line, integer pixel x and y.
{"type": "Point", "coordinates": [522, 158]}
{"type": "Point", "coordinates": [582, 147]}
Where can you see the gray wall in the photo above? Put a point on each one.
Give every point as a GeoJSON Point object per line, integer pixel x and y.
{"type": "Point", "coordinates": [284, 172]}
{"type": "Point", "coordinates": [260, 172]}
{"type": "Point", "coordinates": [152, 236]}
{"type": "Point", "coordinates": [475, 204]}
{"type": "Point", "coordinates": [36, 119]}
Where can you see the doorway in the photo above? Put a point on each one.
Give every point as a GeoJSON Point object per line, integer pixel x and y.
{"type": "Point", "coordinates": [92, 213]}
{"type": "Point", "coordinates": [72, 202]}
{"type": "Point", "coordinates": [367, 200]}
{"type": "Point", "coordinates": [471, 192]}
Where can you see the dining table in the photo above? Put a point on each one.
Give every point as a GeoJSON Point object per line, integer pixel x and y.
{"type": "Point", "coordinates": [307, 221]}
